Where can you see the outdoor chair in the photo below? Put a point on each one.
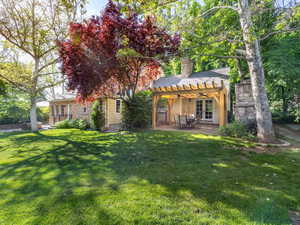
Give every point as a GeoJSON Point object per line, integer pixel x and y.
{"type": "Point", "coordinates": [182, 121]}
{"type": "Point", "coordinates": [176, 120]}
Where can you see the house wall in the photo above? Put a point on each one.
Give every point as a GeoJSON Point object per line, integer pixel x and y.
{"type": "Point", "coordinates": [113, 119]}
{"type": "Point", "coordinates": [186, 106]}
{"type": "Point", "coordinates": [76, 110]}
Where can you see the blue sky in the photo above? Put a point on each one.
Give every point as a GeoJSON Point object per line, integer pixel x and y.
{"type": "Point", "coordinates": [95, 6]}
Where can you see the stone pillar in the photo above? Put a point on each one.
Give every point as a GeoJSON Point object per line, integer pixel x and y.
{"type": "Point", "coordinates": [244, 109]}
{"type": "Point", "coordinates": [186, 67]}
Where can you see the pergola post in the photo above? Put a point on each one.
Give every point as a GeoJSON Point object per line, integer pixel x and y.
{"type": "Point", "coordinates": [222, 107]}
{"type": "Point", "coordinates": [170, 106]}
{"type": "Point", "coordinates": [155, 99]}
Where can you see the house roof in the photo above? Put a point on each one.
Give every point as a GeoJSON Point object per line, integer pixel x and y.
{"type": "Point", "coordinates": [211, 76]}
{"type": "Point", "coordinates": [68, 96]}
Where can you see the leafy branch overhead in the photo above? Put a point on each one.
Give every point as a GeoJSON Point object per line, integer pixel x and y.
{"type": "Point", "coordinates": [114, 53]}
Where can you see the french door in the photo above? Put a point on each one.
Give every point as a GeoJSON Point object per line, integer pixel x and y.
{"type": "Point", "coordinates": [204, 109]}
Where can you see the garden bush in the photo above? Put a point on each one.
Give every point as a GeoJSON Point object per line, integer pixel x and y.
{"type": "Point", "coordinates": [281, 117]}
{"type": "Point", "coordinates": [238, 130]}
{"type": "Point", "coordinates": [78, 123]}
{"type": "Point", "coordinates": [97, 116]}
{"type": "Point", "coordinates": [43, 114]}
{"type": "Point", "coordinates": [137, 111]}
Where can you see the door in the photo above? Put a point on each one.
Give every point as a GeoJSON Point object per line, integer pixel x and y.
{"type": "Point", "coordinates": [204, 109]}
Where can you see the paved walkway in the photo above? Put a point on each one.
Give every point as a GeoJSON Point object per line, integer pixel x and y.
{"type": "Point", "coordinates": [11, 130]}
{"type": "Point", "coordinates": [287, 131]}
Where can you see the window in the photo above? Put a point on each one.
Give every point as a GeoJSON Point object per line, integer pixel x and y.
{"type": "Point", "coordinates": [204, 109]}
{"type": "Point", "coordinates": [57, 110]}
{"type": "Point", "coordinates": [63, 109]}
{"type": "Point", "coordinates": [118, 105]}
{"type": "Point", "coordinates": [199, 108]}
{"type": "Point", "coordinates": [84, 109]}
{"type": "Point", "coordinates": [208, 109]}
{"type": "Point", "coordinates": [101, 106]}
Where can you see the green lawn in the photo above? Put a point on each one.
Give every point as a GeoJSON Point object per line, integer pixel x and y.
{"type": "Point", "coordinates": [77, 177]}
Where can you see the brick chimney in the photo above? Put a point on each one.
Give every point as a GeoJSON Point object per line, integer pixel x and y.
{"type": "Point", "coordinates": [186, 67]}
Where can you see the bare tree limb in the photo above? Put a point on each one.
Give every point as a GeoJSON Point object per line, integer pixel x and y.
{"type": "Point", "coordinates": [15, 84]}
{"type": "Point", "coordinates": [48, 64]}
{"type": "Point", "coordinates": [278, 32]}
{"type": "Point", "coordinates": [50, 85]}
{"type": "Point", "coordinates": [218, 7]}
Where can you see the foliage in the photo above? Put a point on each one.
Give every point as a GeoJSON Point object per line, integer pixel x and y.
{"type": "Point", "coordinates": [137, 112]}
{"type": "Point", "coordinates": [78, 123]}
{"type": "Point", "coordinates": [13, 107]}
{"type": "Point", "coordinates": [29, 31]}
{"type": "Point", "coordinates": [114, 53]}
{"type": "Point", "coordinates": [154, 177]}
{"type": "Point", "coordinates": [97, 116]}
{"type": "Point", "coordinates": [13, 113]}
{"type": "Point", "coordinates": [2, 88]}
{"type": "Point", "coordinates": [238, 130]}
{"type": "Point", "coordinates": [43, 114]}
{"type": "Point", "coordinates": [281, 59]}
{"type": "Point", "coordinates": [282, 117]}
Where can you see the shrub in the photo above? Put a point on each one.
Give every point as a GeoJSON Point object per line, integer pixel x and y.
{"type": "Point", "coordinates": [236, 129]}
{"type": "Point", "coordinates": [64, 124]}
{"type": "Point", "coordinates": [43, 114]}
{"type": "Point", "coordinates": [78, 123]}
{"type": "Point", "coordinates": [97, 116]}
{"type": "Point", "coordinates": [281, 117]}
{"type": "Point", "coordinates": [13, 113]}
{"type": "Point", "coordinates": [137, 111]}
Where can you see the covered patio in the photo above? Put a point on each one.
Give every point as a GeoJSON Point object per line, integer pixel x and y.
{"type": "Point", "coordinates": [204, 101]}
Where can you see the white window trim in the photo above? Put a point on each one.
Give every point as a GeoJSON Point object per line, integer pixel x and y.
{"type": "Point", "coordinates": [120, 110]}
{"type": "Point", "coordinates": [204, 108]}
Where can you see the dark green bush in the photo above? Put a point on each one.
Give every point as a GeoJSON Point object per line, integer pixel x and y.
{"type": "Point", "coordinates": [97, 116]}
{"type": "Point", "coordinates": [64, 124]}
{"type": "Point", "coordinates": [12, 114]}
{"type": "Point", "coordinates": [281, 117]}
{"type": "Point", "coordinates": [78, 123]}
{"type": "Point", "coordinates": [137, 111]}
{"type": "Point", "coordinates": [236, 129]}
{"type": "Point", "coordinates": [43, 114]}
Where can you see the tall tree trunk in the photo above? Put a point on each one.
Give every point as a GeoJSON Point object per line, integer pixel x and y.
{"type": "Point", "coordinates": [265, 130]}
{"type": "Point", "coordinates": [33, 115]}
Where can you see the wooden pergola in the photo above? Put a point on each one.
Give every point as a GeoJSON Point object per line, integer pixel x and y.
{"type": "Point", "coordinates": [208, 89]}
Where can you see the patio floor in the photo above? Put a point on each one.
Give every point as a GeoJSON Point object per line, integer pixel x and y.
{"type": "Point", "coordinates": [207, 129]}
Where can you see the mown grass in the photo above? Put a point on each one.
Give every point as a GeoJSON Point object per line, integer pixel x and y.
{"type": "Point", "coordinates": [74, 177]}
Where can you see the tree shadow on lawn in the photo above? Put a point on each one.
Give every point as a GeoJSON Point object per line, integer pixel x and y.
{"type": "Point", "coordinates": [65, 176]}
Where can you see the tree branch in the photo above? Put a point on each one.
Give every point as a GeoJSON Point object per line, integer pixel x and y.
{"type": "Point", "coordinates": [218, 7]}
{"type": "Point", "coordinates": [48, 64]}
{"type": "Point", "coordinates": [279, 31]}
{"type": "Point", "coordinates": [50, 85]}
{"type": "Point", "coordinates": [15, 84]}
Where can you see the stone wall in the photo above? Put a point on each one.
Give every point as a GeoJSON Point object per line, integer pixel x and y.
{"type": "Point", "coordinates": [244, 109]}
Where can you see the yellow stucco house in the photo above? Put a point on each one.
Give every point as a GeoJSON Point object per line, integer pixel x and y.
{"type": "Point", "coordinates": [205, 95]}
{"type": "Point", "coordinates": [65, 107]}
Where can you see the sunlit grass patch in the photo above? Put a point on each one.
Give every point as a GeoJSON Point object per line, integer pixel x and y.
{"type": "Point", "coordinates": [152, 177]}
